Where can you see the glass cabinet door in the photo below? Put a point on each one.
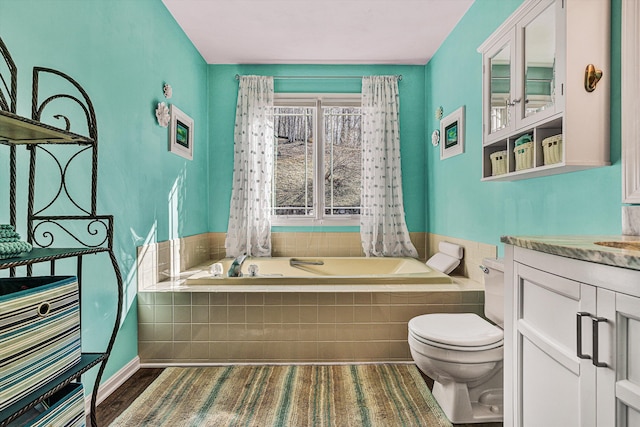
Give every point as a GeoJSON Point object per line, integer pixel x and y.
{"type": "Point", "coordinates": [539, 90]}
{"type": "Point", "coordinates": [500, 88]}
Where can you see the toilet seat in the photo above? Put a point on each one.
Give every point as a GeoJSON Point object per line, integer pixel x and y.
{"type": "Point", "coordinates": [456, 331]}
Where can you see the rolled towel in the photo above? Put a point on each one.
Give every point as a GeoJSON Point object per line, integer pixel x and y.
{"type": "Point", "coordinates": [7, 227]}
{"type": "Point", "coordinates": [12, 249]}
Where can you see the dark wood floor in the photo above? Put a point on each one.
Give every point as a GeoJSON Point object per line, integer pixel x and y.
{"type": "Point", "coordinates": [120, 399]}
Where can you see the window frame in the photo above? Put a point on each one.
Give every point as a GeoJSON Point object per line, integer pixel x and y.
{"type": "Point", "coordinates": [317, 101]}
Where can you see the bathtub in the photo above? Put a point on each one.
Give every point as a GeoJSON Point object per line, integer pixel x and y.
{"type": "Point", "coordinates": [323, 271]}
{"type": "Point", "coordinates": [345, 310]}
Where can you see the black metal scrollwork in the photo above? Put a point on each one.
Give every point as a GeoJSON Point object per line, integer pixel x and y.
{"type": "Point", "coordinates": [97, 233]}
{"type": "Point", "coordinates": [62, 170]}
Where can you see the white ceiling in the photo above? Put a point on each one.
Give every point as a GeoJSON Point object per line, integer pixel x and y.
{"type": "Point", "coordinates": [317, 31]}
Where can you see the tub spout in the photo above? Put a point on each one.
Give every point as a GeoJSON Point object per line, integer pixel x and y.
{"type": "Point", "coordinates": [236, 265]}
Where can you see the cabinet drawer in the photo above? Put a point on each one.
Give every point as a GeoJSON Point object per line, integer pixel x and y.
{"type": "Point", "coordinates": [64, 409]}
{"type": "Point", "coordinates": [548, 306]}
{"type": "Point", "coordinates": [39, 333]}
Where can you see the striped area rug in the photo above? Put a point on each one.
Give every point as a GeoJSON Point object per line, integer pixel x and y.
{"type": "Point", "coordinates": [306, 395]}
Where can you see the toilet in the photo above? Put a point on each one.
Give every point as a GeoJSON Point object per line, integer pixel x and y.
{"type": "Point", "coordinates": [463, 354]}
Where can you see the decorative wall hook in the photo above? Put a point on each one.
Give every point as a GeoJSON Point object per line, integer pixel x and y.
{"type": "Point", "coordinates": [591, 77]}
{"type": "Point", "coordinates": [162, 114]}
{"type": "Point", "coordinates": [439, 113]}
{"type": "Point", "coordinates": [168, 91]}
{"type": "Point", "coordinates": [435, 137]}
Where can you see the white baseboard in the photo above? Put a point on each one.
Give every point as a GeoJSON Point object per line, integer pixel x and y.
{"type": "Point", "coordinates": [113, 383]}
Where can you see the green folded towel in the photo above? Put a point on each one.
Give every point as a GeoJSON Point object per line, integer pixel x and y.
{"type": "Point", "coordinates": [6, 234]}
{"type": "Point", "coordinates": [7, 227]}
{"type": "Point", "coordinates": [9, 239]}
{"type": "Point", "coordinates": [523, 139]}
{"type": "Point", "coordinates": [12, 249]}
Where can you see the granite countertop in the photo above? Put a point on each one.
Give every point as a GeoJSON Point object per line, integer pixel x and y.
{"type": "Point", "coordinates": [625, 251]}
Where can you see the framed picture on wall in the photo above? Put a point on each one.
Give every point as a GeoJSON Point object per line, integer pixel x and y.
{"type": "Point", "coordinates": [181, 134]}
{"type": "Point", "coordinates": [452, 134]}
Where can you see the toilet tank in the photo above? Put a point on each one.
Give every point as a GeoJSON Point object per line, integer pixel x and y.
{"type": "Point", "coordinates": [494, 290]}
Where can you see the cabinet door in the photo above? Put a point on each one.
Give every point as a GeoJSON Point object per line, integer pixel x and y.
{"type": "Point", "coordinates": [499, 87]}
{"type": "Point", "coordinates": [553, 386]}
{"type": "Point", "coordinates": [539, 68]}
{"type": "Point", "coordinates": [622, 356]}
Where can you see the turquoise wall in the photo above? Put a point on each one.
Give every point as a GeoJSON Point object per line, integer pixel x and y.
{"type": "Point", "coordinates": [223, 91]}
{"type": "Point", "coordinates": [458, 203]}
{"type": "Point", "coordinates": [121, 52]}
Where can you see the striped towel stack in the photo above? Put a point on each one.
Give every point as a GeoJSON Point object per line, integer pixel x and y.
{"type": "Point", "coordinates": [10, 243]}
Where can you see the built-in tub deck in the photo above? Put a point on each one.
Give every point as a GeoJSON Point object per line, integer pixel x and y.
{"type": "Point", "coordinates": [307, 274]}
{"type": "Point", "coordinates": [312, 316]}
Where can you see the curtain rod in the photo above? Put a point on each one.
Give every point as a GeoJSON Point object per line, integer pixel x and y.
{"type": "Point", "coordinates": [399, 76]}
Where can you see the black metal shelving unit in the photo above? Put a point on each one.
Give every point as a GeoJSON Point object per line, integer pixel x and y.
{"type": "Point", "coordinates": [89, 232]}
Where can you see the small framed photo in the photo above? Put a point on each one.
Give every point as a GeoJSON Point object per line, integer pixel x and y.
{"type": "Point", "coordinates": [181, 134]}
{"type": "Point", "coordinates": [452, 134]}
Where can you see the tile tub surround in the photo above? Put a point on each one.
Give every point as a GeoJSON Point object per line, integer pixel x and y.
{"type": "Point", "coordinates": [278, 327]}
{"type": "Point", "coordinates": [158, 262]}
{"type": "Point", "coordinates": [166, 261]}
{"type": "Point", "coordinates": [200, 324]}
{"type": "Point", "coordinates": [582, 248]}
{"type": "Point", "coordinates": [474, 253]}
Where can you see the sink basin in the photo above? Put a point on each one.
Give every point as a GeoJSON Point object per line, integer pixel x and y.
{"type": "Point", "coordinates": [630, 245]}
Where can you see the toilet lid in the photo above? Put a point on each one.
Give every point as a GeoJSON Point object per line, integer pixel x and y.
{"type": "Point", "coordinates": [456, 329]}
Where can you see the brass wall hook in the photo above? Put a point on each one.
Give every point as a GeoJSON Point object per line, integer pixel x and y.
{"type": "Point", "coordinates": [591, 77]}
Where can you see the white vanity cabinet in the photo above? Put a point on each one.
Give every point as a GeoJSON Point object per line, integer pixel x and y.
{"type": "Point", "coordinates": [536, 85]}
{"type": "Point", "coordinates": [572, 342]}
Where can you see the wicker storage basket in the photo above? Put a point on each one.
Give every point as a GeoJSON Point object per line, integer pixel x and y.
{"type": "Point", "coordinates": [39, 332]}
{"type": "Point", "coordinates": [498, 162]}
{"type": "Point", "coordinates": [524, 156]}
{"type": "Point", "coordinates": [552, 149]}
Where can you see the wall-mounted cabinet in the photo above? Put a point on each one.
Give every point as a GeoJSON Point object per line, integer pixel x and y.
{"type": "Point", "coordinates": [541, 115]}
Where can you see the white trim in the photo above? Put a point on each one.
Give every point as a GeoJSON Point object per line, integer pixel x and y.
{"type": "Point", "coordinates": [112, 384]}
{"type": "Point", "coordinates": [316, 101]}
{"type": "Point", "coordinates": [507, 25]}
{"type": "Point", "coordinates": [327, 221]}
{"type": "Point", "coordinates": [630, 104]}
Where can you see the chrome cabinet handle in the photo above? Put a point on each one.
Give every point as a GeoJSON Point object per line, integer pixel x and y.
{"type": "Point", "coordinates": [595, 322]}
{"type": "Point", "coordinates": [579, 317]}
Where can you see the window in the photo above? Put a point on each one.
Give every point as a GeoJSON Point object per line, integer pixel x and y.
{"type": "Point", "coordinates": [317, 159]}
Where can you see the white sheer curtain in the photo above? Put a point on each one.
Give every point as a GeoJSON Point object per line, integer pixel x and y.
{"type": "Point", "coordinates": [383, 230]}
{"type": "Point", "coordinates": [249, 229]}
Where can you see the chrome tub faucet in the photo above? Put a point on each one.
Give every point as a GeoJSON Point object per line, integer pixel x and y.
{"type": "Point", "coordinates": [236, 265]}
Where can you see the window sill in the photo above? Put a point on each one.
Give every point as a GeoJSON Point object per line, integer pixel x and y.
{"type": "Point", "coordinates": [310, 222]}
